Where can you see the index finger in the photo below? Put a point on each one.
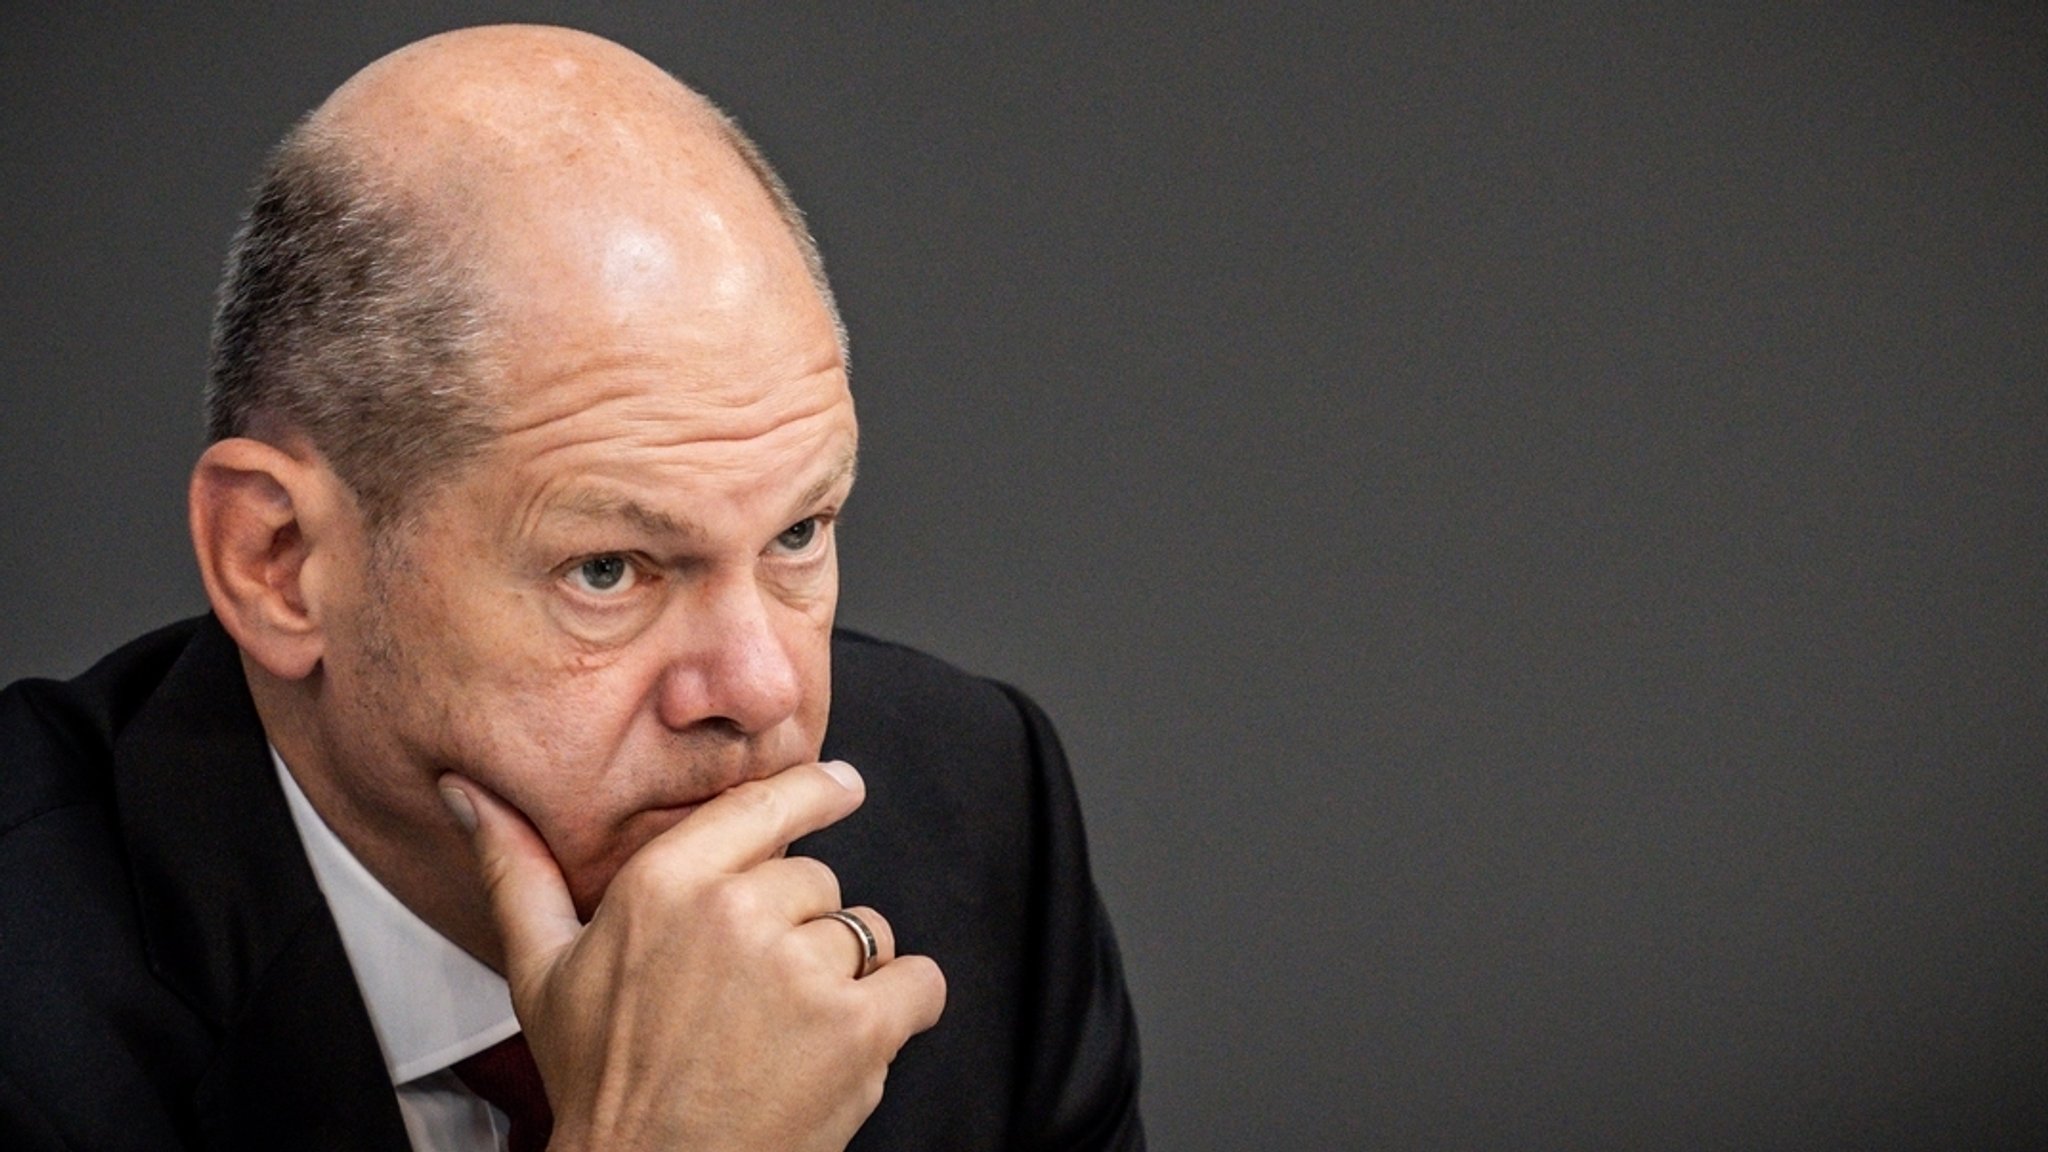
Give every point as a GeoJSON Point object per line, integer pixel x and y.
{"type": "Point", "coordinates": [751, 822]}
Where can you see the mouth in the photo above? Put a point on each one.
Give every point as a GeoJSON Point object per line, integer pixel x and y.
{"type": "Point", "coordinates": [653, 822]}
{"type": "Point", "coordinates": [590, 865]}
{"type": "Point", "coordinates": [667, 815]}
{"type": "Point", "coordinates": [590, 878]}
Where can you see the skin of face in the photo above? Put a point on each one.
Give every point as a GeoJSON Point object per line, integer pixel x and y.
{"type": "Point", "coordinates": [624, 606]}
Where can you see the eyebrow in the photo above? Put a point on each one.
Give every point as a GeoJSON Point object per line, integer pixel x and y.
{"type": "Point", "coordinates": [601, 506]}
{"type": "Point", "coordinates": [843, 471]}
{"type": "Point", "coordinates": [654, 521]}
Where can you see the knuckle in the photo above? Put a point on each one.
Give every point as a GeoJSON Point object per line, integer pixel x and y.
{"type": "Point", "coordinates": [871, 1090]}
{"type": "Point", "coordinates": [733, 904]}
{"type": "Point", "coordinates": [930, 981]}
{"type": "Point", "coordinates": [870, 1026]}
{"type": "Point", "coordinates": [645, 879]}
{"type": "Point", "coordinates": [818, 874]}
{"type": "Point", "coordinates": [495, 871]}
{"type": "Point", "coordinates": [499, 873]}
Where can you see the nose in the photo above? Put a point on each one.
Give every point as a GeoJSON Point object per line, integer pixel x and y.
{"type": "Point", "coordinates": [736, 663]}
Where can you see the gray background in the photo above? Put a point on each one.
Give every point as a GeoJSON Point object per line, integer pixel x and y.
{"type": "Point", "coordinates": [1532, 524]}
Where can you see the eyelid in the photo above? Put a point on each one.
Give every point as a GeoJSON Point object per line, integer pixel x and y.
{"type": "Point", "coordinates": [823, 520]}
{"type": "Point", "coordinates": [639, 569]}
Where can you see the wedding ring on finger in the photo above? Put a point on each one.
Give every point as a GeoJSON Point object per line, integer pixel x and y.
{"type": "Point", "coordinates": [870, 948]}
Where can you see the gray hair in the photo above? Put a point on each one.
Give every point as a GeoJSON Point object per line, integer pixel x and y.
{"type": "Point", "coordinates": [343, 318]}
{"type": "Point", "coordinates": [347, 316]}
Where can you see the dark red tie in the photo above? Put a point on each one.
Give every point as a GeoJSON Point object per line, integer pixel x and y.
{"type": "Point", "coordinates": [504, 1075]}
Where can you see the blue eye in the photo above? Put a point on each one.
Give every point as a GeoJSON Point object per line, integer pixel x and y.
{"type": "Point", "coordinates": [604, 573]}
{"type": "Point", "coordinates": [799, 535]}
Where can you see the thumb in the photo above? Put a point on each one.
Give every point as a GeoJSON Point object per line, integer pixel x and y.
{"type": "Point", "coordinates": [529, 899]}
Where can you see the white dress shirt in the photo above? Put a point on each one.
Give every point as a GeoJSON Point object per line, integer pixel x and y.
{"type": "Point", "coordinates": [430, 1002]}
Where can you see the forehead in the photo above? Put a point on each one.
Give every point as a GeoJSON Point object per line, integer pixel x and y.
{"type": "Point", "coordinates": [641, 409]}
{"type": "Point", "coordinates": [629, 451]}
{"type": "Point", "coordinates": [754, 371]}
{"type": "Point", "coordinates": [685, 296]}
{"type": "Point", "coordinates": [690, 416]}
{"type": "Point", "coordinates": [699, 393]}
{"type": "Point", "coordinates": [648, 303]}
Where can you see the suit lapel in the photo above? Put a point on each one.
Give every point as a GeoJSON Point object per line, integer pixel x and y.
{"type": "Point", "coordinates": [236, 925]}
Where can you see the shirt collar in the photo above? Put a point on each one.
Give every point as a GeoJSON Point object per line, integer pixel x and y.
{"type": "Point", "coordinates": [430, 1002]}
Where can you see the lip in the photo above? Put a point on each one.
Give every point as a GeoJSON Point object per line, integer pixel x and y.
{"type": "Point", "coordinates": [678, 812]}
{"type": "Point", "coordinates": [667, 815]}
{"type": "Point", "coordinates": [590, 877]}
{"type": "Point", "coordinates": [636, 829]}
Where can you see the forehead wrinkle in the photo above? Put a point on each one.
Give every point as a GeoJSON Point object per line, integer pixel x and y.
{"type": "Point", "coordinates": [596, 505]}
{"type": "Point", "coordinates": [676, 419]}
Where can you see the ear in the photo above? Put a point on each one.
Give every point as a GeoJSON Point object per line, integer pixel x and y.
{"type": "Point", "coordinates": [269, 525]}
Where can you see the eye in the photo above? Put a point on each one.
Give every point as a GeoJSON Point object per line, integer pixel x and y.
{"type": "Point", "coordinates": [603, 574]}
{"type": "Point", "coordinates": [798, 536]}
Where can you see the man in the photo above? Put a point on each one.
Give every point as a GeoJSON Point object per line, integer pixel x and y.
{"type": "Point", "coordinates": [530, 429]}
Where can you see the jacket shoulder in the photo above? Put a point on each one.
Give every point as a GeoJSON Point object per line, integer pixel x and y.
{"type": "Point", "coordinates": [57, 737]}
{"type": "Point", "coordinates": [96, 1046]}
{"type": "Point", "coordinates": [971, 843]}
{"type": "Point", "coordinates": [940, 746]}
{"type": "Point", "coordinates": [880, 687]}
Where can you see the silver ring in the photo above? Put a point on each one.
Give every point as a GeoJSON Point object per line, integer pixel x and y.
{"type": "Point", "coordinates": [870, 948]}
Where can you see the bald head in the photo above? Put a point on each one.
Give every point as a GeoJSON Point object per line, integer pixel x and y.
{"type": "Point", "coordinates": [441, 200]}
{"type": "Point", "coordinates": [519, 116]}
{"type": "Point", "coordinates": [513, 98]}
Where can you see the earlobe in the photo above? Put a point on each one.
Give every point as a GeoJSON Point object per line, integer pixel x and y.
{"type": "Point", "coordinates": [257, 521]}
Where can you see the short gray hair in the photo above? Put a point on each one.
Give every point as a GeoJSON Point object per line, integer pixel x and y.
{"type": "Point", "coordinates": [346, 317]}
{"type": "Point", "coordinates": [349, 317]}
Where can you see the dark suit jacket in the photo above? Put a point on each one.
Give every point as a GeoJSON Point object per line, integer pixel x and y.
{"type": "Point", "coordinates": [170, 976]}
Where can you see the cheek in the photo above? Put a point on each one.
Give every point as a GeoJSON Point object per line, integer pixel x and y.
{"type": "Point", "coordinates": [814, 661]}
{"type": "Point", "coordinates": [554, 728]}
{"type": "Point", "coordinates": [483, 694]}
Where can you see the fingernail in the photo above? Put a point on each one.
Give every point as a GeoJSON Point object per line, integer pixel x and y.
{"type": "Point", "coordinates": [459, 806]}
{"type": "Point", "coordinates": [843, 772]}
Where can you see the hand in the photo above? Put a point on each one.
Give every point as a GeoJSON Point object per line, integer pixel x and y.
{"type": "Point", "coordinates": [702, 1007]}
